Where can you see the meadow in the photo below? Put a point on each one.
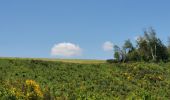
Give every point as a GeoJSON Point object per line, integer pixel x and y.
{"type": "Point", "coordinates": [49, 79]}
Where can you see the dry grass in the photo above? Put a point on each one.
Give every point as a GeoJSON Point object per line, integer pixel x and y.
{"type": "Point", "coordinates": [80, 61]}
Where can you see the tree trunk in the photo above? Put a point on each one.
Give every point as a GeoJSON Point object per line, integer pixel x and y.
{"type": "Point", "coordinates": [153, 57]}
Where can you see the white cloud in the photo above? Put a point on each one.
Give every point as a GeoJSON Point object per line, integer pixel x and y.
{"type": "Point", "coordinates": [66, 50]}
{"type": "Point", "coordinates": [108, 46]}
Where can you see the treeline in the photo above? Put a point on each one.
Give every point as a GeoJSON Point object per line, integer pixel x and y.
{"type": "Point", "coordinates": [149, 48]}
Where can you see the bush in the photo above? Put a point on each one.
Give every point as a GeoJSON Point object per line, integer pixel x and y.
{"type": "Point", "coordinates": [133, 56]}
{"type": "Point", "coordinates": [29, 90]}
{"type": "Point", "coordinates": [70, 81]}
{"type": "Point", "coordinates": [111, 61]}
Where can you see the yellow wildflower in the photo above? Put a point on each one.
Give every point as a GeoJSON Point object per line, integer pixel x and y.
{"type": "Point", "coordinates": [159, 77]}
{"type": "Point", "coordinates": [125, 74]}
{"type": "Point", "coordinates": [35, 86]}
{"type": "Point", "coordinates": [129, 77]}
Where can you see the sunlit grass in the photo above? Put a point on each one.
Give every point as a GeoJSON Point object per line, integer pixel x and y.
{"type": "Point", "coordinates": [83, 61]}
{"type": "Point", "coordinates": [50, 80]}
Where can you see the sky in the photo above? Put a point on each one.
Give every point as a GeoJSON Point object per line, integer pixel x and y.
{"type": "Point", "coordinates": [78, 29]}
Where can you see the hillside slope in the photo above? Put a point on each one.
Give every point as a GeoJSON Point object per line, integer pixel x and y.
{"type": "Point", "coordinates": [37, 79]}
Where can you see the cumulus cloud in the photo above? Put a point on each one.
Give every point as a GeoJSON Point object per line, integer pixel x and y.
{"type": "Point", "coordinates": [66, 50]}
{"type": "Point", "coordinates": [108, 46]}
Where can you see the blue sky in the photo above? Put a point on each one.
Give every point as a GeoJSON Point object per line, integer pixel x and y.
{"type": "Point", "coordinates": [31, 28]}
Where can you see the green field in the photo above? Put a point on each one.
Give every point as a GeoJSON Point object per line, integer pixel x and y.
{"type": "Point", "coordinates": [45, 79]}
{"type": "Point", "coordinates": [79, 61]}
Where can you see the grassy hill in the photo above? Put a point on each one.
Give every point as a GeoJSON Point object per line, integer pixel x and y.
{"type": "Point", "coordinates": [82, 79]}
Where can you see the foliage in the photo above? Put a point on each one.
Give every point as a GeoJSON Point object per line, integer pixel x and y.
{"type": "Point", "coordinates": [111, 61]}
{"type": "Point", "coordinates": [133, 56]}
{"type": "Point", "coordinates": [128, 46]}
{"type": "Point", "coordinates": [149, 48]}
{"type": "Point", "coordinates": [29, 90]}
{"type": "Point", "coordinates": [169, 47]}
{"type": "Point", "coordinates": [117, 56]}
{"type": "Point", "coordinates": [64, 81]}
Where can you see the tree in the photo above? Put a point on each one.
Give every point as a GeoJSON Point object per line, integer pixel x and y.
{"type": "Point", "coordinates": [150, 36]}
{"type": "Point", "coordinates": [169, 47]}
{"type": "Point", "coordinates": [128, 46]}
{"type": "Point", "coordinates": [117, 54]}
{"type": "Point", "coordinates": [151, 47]}
{"type": "Point", "coordinates": [117, 48]}
{"type": "Point", "coordinates": [127, 49]}
{"type": "Point", "coordinates": [168, 42]}
{"type": "Point", "coordinates": [142, 48]}
{"type": "Point", "coordinates": [133, 56]}
{"type": "Point", "coordinates": [162, 51]}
